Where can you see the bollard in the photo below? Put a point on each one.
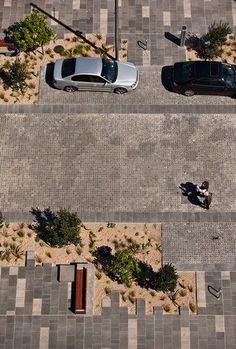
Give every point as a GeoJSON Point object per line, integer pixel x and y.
{"type": "Point", "coordinates": [183, 35]}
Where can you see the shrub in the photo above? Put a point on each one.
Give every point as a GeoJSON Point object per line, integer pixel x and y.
{"type": "Point", "coordinates": [68, 251]}
{"type": "Point", "coordinates": [162, 297]}
{"type": "Point", "coordinates": [57, 229]}
{"type": "Point", "coordinates": [5, 255]}
{"type": "Point", "coordinates": [14, 75]}
{"type": "Point", "coordinates": [192, 307]}
{"type": "Point", "coordinates": [124, 267]}
{"type": "Point", "coordinates": [21, 233]}
{"type": "Point", "coordinates": [132, 293]}
{"type": "Point", "coordinates": [48, 254]}
{"type": "Point", "coordinates": [211, 42]}
{"type": "Point", "coordinates": [16, 251]}
{"type": "Point", "coordinates": [166, 307]}
{"type": "Point", "coordinates": [39, 259]}
{"type": "Point", "coordinates": [98, 275]}
{"type": "Point", "coordinates": [124, 297]}
{"type": "Point", "coordinates": [29, 235]}
{"type": "Point", "coordinates": [131, 299]}
{"type": "Point", "coordinates": [166, 278]}
{"type": "Point", "coordinates": [190, 287]}
{"type": "Point", "coordinates": [79, 250]}
{"type": "Point", "coordinates": [107, 290]}
{"type": "Point", "coordinates": [182, 293]}
{"type": "Point", "coordinates": [31, 32]}
{"type": "Point", "coordinates": [48, 51]}
{"type": "Point", "coordinates": [111, 225]}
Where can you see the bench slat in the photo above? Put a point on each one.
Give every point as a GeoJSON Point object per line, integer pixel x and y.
{"type": "Point", "coordinates": [80, 290]}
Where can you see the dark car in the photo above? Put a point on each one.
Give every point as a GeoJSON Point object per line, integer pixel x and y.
{"type": "Point", "coordinates": [204, 78]}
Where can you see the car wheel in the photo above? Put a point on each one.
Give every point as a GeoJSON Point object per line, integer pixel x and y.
{"type": "Point", "coordinates": [70, 89]}
{"type": "Point", "coordinates": [120, 90]}
{"type": "Point", "coordinates": [189, 93]}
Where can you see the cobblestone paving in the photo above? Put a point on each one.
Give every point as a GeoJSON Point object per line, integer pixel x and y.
{"type": "Point", "coordinates": [96, 163]}
{"type": "Point", "coordinates": [150, 91]}
{"type": "Point", "coordinates": [198, 243]}
{"type": "Point", "coordinates": [138, 20]}
{"type": "Point", "coordinates": [35, 313]}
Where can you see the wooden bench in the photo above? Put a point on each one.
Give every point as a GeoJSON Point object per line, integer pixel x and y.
{"type": "Point", "coordinates": [80, 290]}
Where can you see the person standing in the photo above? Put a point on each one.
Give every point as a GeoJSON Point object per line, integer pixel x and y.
{"type": "Point", "coordinates": [203, 188]}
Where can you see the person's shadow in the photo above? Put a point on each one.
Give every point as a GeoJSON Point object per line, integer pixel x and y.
{"type": "Point", "coordinates": [190, 190]}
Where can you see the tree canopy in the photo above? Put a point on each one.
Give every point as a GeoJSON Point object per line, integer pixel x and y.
{"type": "Point", "coordinates": [31, 32]}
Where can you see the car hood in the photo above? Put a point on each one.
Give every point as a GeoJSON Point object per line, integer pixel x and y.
{"type": "Point", "coordinates": [127, 74]}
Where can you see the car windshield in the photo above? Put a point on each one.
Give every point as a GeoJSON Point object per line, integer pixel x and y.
{"type": "Point", "coordinates": [109, 70]}
{"type": "Point", "coordinates": [68, 67]}
{"type": "Point", "coordinates": [228, 73]}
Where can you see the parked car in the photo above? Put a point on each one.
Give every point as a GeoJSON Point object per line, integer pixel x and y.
{"type": "Point", "coordinates": [204, 78]}
{"type": "Point", "coordinates": [95, 74]}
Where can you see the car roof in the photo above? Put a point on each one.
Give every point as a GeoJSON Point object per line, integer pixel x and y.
{"type": "Point", "coordinates": [189, 70]}
{"type": "Point", "coordinates": [88, 65]}
{"type": "Point", "coordinates": [203, 69]}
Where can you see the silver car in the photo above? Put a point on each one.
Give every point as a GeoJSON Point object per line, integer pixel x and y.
{"type": "Point", "coordinates": [95, 74]}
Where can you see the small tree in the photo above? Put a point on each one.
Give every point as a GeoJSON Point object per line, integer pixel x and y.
{"type": "Point", "coordinates": [166, 279]}
{"type": "Point", "coordinates": [31, 32]}
{"type": "Point", "coordinates": [124, 267]}
{"type": "Point", "coordinates": [57, 229]}
{"type": "Point", "coordinates": [211, 43]}
{"type": "Point", "coordinates": [14, 75]}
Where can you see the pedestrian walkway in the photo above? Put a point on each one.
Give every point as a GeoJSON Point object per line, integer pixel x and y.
{"type": "Point", "coordinates": [101, 168]}
{"type": "Point", "coordinates": [35, 313]}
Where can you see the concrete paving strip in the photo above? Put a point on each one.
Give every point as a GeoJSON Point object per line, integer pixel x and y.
{"type": "Point", "coordinates": [20, 293]}
{"type": "Point", "coordinates": [201, 289]}
{"type": "Point", "coordinates": [37, 306]}
{"type": "Point", "coordinates": [44, 338]}
{"type": "Point", "coordinates": [132, 334]}
{"type": "Point", "coordinates": [219, 323]}
{"type": "Point", "coordinates": [185, 338]}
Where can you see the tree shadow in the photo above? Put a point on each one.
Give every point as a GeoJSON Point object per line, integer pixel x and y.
{"type": "Point", "coordinates": [150, 276]}
{"type": "Point", "coordinates": [190, 190]}
{"type": "Point", "coordinates": [42, 220]}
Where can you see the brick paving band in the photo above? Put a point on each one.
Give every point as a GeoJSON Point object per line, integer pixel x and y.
{"type": "Point", "coordinates": [137, 217]}
{"type": "Point", "coordinates": [120, 109]}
